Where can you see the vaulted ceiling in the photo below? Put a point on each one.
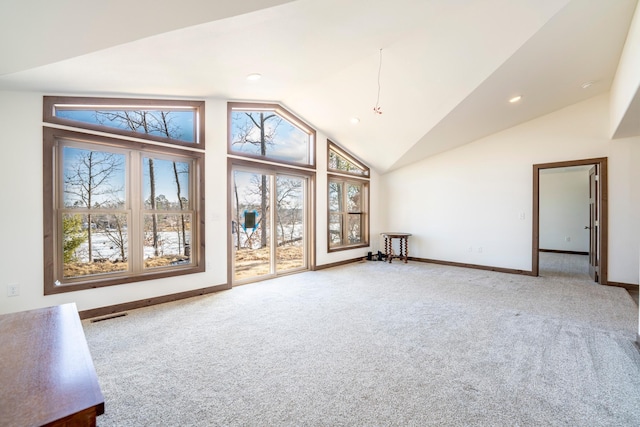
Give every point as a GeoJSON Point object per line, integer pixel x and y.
{"type": "Point", "coordinates": [444, 76]}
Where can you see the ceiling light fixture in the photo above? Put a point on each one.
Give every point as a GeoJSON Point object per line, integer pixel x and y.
{"type": "Point", "coordinates": [355, 120]}
{"type": "Point", "coordinates": [587, 85]}
{"type": "Point", "coordinates": [254, 76]}
{"type": "Point", "coordinates": [515, 99]}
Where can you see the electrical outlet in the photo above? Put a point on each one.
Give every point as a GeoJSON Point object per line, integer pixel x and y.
{"type": "Point", "coordinates": [567, 239]}
{"type": "Point", "coordinates": [522, 216]}
{"type": "Point", "coordinates": [13, 290]}
{"type": "Point", "coordinates": [470, 248]}
{"type": "Point", "coordinates": [479, 249]}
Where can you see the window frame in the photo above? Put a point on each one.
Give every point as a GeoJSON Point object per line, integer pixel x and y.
{"type": "Point", "coordinates": [332, 146]}
{"type": "Point", "coordinates": [345, 177]}
{"type": "Point", "coordinates": [282, 112]}
{"type": "Point", "coordinates": [364, 222]}
{"type": "Point", "coordinates": [53, 138]}
{"type": "Point", "coordinates": [83, 103]}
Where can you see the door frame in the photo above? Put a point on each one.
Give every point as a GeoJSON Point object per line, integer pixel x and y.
{"type": "Point", "coordinates": [603, 197]}
{"type": "Point", "coordinates": [233, 162]}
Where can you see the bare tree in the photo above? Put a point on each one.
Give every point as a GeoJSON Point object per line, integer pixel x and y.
{"type": "Point", "coordinates": [354, 205]}
{"type": "Point", "coordinates": [260, 188]}
{"type": "Point", "coordinates": [336, 202]}
{"type": "Point", "coordinates": [137, 121]}
{"type": "Point", "coordinates": [115, 230]}
{"type": "Point", "coordinates": [266, 125]}
{"type": "Point", "coordinates": [248, 201]}
{"type": "Point", "coordinates": [153, 203]}
{"type": "Point", "coordinates": [89, 181]}
{"type": "Point", "coordinates": [163, 124]}
{"type": "Point", "coordinates": [181, 202]}
{"type": "Point", "coordinates": [157, 123]}
{"type": "Point", "coordinates": [288, 204]}
{"type": "Point", "coordinates": [237, 222]}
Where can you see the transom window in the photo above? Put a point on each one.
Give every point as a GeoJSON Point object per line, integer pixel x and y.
{"type": "Point", "coordinates": [173, 122]}
{"type": "Point", "coordinates": [348, 200]}
{"type": "Point", "coordinates": [342, 162]}
{"type": "Point", "coordinates": [117, 210]}
{"type": "Point", "coordinates": [269, 132]}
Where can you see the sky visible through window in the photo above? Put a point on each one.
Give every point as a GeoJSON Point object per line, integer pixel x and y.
{"type": "Point", "coordinates": [182, 123]}
{"type": "Point", "coordinates": [81, 165]}
{"type": "Point", "coordinates": [283, 140]}
{"type": "Point", "coordinates": [98, 176]}
{"type": "Point", "coordinates": [165, 181]}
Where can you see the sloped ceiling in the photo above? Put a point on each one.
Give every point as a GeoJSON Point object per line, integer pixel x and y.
{"type": "Point", "coordinates": [40, 32]}
{"type": "Point", "coordinates": [445, 73]}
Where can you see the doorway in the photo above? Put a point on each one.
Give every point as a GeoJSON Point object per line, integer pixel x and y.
{"type": "Point", "coordinates": [269, 211]}
{"type": "Point", "coordinates": [595, 223]}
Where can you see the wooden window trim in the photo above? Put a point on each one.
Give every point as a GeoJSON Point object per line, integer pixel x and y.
{"type": "Point", "coordinates": [366, 223]}
{"type": "Point", "coordinates": [50, 135]}
{"type": "Point", "coordinates": [332, 146]}
{"type": "Point", "coordinates": [282, 112]}
{"type": "Point", "coordinates": [232, 164]}
{"type": "Point", "coordinates": [50, 102]}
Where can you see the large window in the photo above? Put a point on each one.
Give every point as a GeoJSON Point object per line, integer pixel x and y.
{"type": "Point", "coordinates": [118, 210]}
{"type": "Point", "coordinates": [348, 200]}
{"type": "Point", "coordinates": [271, 192]}
{"type": "Point", "coordinates": [269, 132]}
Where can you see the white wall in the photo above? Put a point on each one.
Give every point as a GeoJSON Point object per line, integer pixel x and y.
{"type": "Point", "coordinates": [564, 209]}
{"type": "Point", "coordinates": [466, 205]}
{"type": "Point", "coordinates": [21, 257]}
{"type": "Point", "coordinates": [626, 84]}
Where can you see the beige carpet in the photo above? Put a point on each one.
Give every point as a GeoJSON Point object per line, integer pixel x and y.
{"type": "Point", "coordinates": [563, 265]}
{"type": "Point", "coordinates": [377, 344]}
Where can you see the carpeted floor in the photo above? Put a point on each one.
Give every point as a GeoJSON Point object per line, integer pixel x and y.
{"type": "Point", "coordinates": [563, 265]}
{"type": "Point", "coordinates": [570, 266]}
{"type": "Point", "coordinates": [377, 344]}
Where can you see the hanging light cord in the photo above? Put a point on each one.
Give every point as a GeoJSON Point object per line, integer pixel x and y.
{"type": "Point", "coordinates": [377, 109]}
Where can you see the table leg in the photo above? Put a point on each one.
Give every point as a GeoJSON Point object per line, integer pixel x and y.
{"type": "Point", "coordinates": [406, 249]}
{"type": "Point", "coordinates": [387, 247]}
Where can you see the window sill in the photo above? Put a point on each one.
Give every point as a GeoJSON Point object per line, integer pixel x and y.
{"type": "Point", "coordinates": [51, 289]}
{"type": "Point", "coordinates": [346, 248]}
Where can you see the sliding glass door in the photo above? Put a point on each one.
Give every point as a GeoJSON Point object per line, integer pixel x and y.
{"type": "Point", "coordinates": [269, 223]}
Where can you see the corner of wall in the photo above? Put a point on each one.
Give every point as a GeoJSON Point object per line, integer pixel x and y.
{"type": "Point", "coordinates": [625, 89]}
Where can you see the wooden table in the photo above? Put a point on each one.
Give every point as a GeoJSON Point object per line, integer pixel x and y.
{"type": "Point", "coordinates": [47, 377]}
{"type": "Point", "coordinates": [388, 245]}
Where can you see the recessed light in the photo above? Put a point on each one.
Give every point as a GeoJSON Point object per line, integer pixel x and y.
{"type": "Point", "coordinates": [587, 85]}
{"type": "Point", "coordinates": [254, 76]}
{"type": "Point", "coordinates": [515, 99]}
{"type": "Point", "coordinates": [355, 120]}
